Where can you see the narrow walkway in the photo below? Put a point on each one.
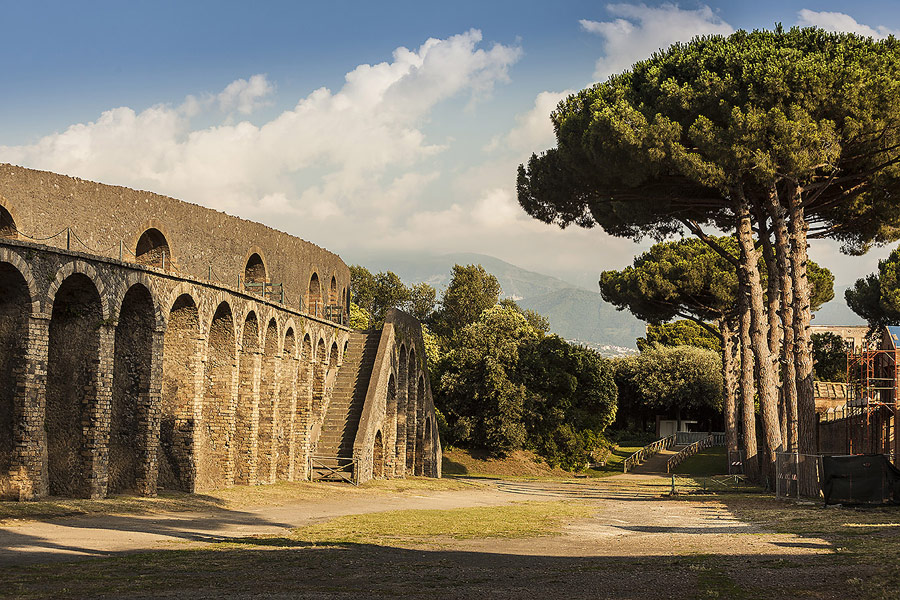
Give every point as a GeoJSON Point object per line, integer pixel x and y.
{"type": "Point", "coordinates": [656, 464]}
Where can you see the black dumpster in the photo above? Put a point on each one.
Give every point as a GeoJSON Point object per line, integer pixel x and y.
{"type": "Point", "coordinates": [860, 479]}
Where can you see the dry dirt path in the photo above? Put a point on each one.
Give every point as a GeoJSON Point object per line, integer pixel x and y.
{"type": "Point", "coordinates": [632, 520]}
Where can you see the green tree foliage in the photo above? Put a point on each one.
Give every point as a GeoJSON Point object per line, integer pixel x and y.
{"type": "Point", "coordinates": [876, 297]}
{"type": "Point", "coordinates": [479, 391]}
{"type": "Point", "coordinates": [830, 356]}
{"type": "Point", "coordinates": [362, 284]}
{"type": "Point", "coordinates": [471, 291]}
{"type": "Point", "coordinates": [359, 317]}
{"type": "Point", "coordinates": [389, 293]}
{"type": "Point", "coordinates": [673, 380]}
{"type": "Point", "coordinates": [679, 333]}
{"type": "Point", "coordinates": [422, 301]}
{"type": "Point", "coordinates": [535, 319]}
{"type": "Point", "coordinates": [571, 400]}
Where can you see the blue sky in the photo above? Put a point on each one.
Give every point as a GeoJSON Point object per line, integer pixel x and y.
{"type": "Point", "coordinates": [373, 129]}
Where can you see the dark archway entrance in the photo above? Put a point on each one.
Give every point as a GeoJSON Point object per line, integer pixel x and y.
{"type": "Point", "coordinates": [153, 249]}
{"type": "Point", "coordinates": [72, 384]}
{"type": "Point", "coordinates": [129, 416]}
{"type": "Point", "coordinates": [15, 307]}
{"type": "Point", "coordinates": [7, 225]}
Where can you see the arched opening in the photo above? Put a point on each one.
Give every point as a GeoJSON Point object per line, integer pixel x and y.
{"type": "Point", "coordinates": [411, 413]}
{"type": "Point", "coordinates": [153, 249]}
{"type": "Point", "coordinates": [182, 371]}
{"type": "Point", "coordinates": [429, 470]}
{"type": "Point", "coordinates": [314, 296]}
{"type": "Point", "coordinates": [333, 358]}
{"type": "Point", "coordinates": [246, 419]}
{"type": "Point", "coordinates": [7, 225]}
{"type": "Point", "coordinates": [318, 384]}
{"type": "Point", "coordinates": [400, 464]}
{"type": "Point", "coordinates": [268, 405]}
{"type": "Point", "coordinates": [129, 421]}
{"type": "Point", "coordinates": [304, 408]}
{"type": "Point", "coordinates": [217, 416]}
{"type": "Point", "coordinates": [420, 420]}
{"type": "Point", "coordinates": [333, 293]}
{"type": "Point", "coordinates": [378, 457]}
{"type": "Point", "coordinates": [255, 273]}
{"type": "Point", "coordinates": [390, 424]}
{"type": "Point", "coordinates": [73, 377]}
{"type": "Point", "coordinates": [15, 308]}
{"type": "Point", "coordinates": [287, 407]}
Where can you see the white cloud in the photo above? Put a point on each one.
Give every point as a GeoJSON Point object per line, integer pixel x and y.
{"type": "Point", "coordinates": [533, 131]}
{"type": "Point", "coordinates": [245, 96]}
{"type": "Point", "coordinates": [641, 30]}
{"type": "Point", "coordinates": [836, 21]}
{"type": "Point", "coordinates": [328, 156]}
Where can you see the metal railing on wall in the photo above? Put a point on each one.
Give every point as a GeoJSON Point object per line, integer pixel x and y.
{"type": "Point", "coordinates": [67, 238]}
{"type": "Point", "coordinates": [648, 451]}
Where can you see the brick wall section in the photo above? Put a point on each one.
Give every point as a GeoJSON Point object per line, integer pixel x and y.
{"type": "Point", "coordinates": [43, 204]}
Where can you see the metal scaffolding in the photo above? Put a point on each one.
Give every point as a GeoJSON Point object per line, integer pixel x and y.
{"type": "Point", "coordinates": [870, 413]}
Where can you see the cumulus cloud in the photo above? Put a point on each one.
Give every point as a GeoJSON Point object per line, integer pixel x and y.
{"type": "Point", "coordinates": [244, 95]}
{"type": "Point", "coordinates": [333, 154]}
{"type": "Point", "coordinates": [533, 131]}
{"type": "Point", "coordinates": [837, 21]}
{"type": "Point", "coordinates": [641, 30]}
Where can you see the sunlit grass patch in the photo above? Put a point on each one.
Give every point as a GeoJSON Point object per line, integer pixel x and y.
{"type": "Point", "coordinates": [518, 520]}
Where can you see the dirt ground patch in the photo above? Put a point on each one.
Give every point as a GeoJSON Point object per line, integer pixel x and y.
{"type": "Point", "coordinates": [631, 542]}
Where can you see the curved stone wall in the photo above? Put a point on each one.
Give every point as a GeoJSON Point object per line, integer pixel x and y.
{"type": "Point", "coordinates": [197, 242]}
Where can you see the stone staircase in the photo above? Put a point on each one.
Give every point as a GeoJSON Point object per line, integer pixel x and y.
{"type": "Point", "coordinates": [333, 458]}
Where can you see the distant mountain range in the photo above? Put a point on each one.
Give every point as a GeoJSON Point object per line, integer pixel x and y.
{"type": "Point", "coordinates": [575, 313]}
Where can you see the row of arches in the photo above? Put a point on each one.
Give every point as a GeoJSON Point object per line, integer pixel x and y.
{"type": "Point", "coordinates": [138, 402]}
{"type": "Point", "coordinates": [404, 446]}
{"type": "Point", "coordinates": [321, 299]}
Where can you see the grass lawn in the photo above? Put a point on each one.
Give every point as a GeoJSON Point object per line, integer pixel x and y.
{"type": "Point", "coordinates": [614, 462]}
{"type": "Point", "coordinates": [706, 463]}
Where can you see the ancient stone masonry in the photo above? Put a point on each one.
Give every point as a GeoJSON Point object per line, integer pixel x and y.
{"type": "Point", "coordinates": [148, 343]}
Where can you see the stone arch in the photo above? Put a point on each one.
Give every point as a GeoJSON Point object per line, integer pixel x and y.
{"type": "Point", "coordinates": [411, 423]}
{"type": "Point", "coordinates": [333, 357]}
{"type": "Point", "coordinates": [133, 278]}
{"type": "Point", "coordinates": [83, 268]}
{"type": "Point", "coordinates": [287, 407]}
{"type": "Point", "coordinates": [19, 264]}
{"type": "Point", "coordinates": [390, 424]}
{"type": "Point", "coordinates": [304, 405]}
{"type": "Point", "coordinates": [333, 291]}
{"type": "Point", "coordinates": [422, 434]}
{"type": "Point", "coordinates": [318, 383]}
{"type": "Point", "coordinates": [73, 385]}
{"type": "Point", "coordinates": [8, 227]}
{"type": "Point", "coordinates": [314, 295]}
{"type": "Point", "coordinates": [152, 249]}
{"type": "Point", "coordinates": [181, 391]}
{"type": "Point", "coordinates": [428, 458]}
{"type": "Point", "coordinates": [378, 457]}
{"type": "Point", "coordinates": [400, 450]}
{"type": "Point", "coordinates": [268, 404]}
{"type": "Point", "coordinates": [246, 417]}
{"type": "Point", "coordinates": [217, 412]}
{"type": "Point", "coordinates": [15, 309]}
{"type": "Point", "coordinates": [255, 273]}
{"type": "Point", "coordinates": [130, 410]}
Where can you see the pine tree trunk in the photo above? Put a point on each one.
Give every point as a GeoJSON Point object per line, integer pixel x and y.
{"type": "Point", "coordinates": [748, 391]}
{"type": "Point", "coordinates": [773, 308]}
{"type": "Point", "coordinates": [806, 402]}
{"type": "Point", "coordinates": [759, 332]}
{"type": "Point", "coordinates": [789, 370]}
{"type": "Point", "coordinates": [730, 373]}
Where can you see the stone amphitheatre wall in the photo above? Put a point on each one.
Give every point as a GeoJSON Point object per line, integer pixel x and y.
{"type": "Point", "coordinates": [124, 374]}
{"type": "Point", "coordinates": [198, 242]}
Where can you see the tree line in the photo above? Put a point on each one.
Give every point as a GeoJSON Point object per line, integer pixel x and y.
{"type": "Point", "coordinates": [775, 137]}
{"type": "Point", "coordinates": [500, 381]}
